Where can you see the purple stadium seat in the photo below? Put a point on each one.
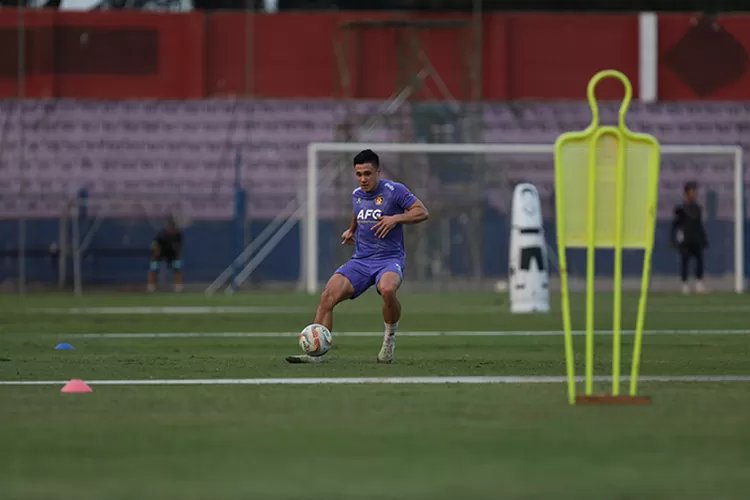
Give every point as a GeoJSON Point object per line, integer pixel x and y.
{"type": "Point", "coordinates": [145, 148]}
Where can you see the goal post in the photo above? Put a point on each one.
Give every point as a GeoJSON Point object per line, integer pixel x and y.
{"type": "Point", "coordinates": [731, 158]}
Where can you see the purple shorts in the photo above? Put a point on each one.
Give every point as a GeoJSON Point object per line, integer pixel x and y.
{"type": "Point", "coordinates": [363, 273]}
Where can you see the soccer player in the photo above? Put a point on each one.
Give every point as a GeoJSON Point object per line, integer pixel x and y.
{"type": "Point", "coordinates": [167, 246]}
{"type": "Point", "coordinates": [380, 208]}
{"type": "Point", "coordinates": [689, 236]}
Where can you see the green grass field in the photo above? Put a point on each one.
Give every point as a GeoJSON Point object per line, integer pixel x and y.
{"type": "Point", "coordinates": [363, 441]}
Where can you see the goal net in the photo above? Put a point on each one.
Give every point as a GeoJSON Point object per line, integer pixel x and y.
{"type": "Point", "coordinates": [468, 190]}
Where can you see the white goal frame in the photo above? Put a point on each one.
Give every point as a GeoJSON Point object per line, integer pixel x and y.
{"type": "Point", "coordinates": [309, 257]}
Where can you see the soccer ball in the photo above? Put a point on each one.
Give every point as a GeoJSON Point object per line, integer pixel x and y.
{"type": "Point", "coordinates": [315, 340]}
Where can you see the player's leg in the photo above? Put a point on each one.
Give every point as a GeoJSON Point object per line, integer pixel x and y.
{"type": "Point", "coordinates": [698, 254]}
{"type": "Point", "coordinates": [348, 282]}
{"type": "Point", "coordinates": [338, 289]}
{"type": "Point", "coordinates": [388, 283]}
{"type": "Point", "coordinates": [684, 263]}
{"type": "Point", "coordinates": [388, 286]}
{"type": "Point", "coordinates": [153, 270]}
{"type": "Point", "coordinates": [176, 265]}
{"type": "Point", "coordinates": [178, 286]}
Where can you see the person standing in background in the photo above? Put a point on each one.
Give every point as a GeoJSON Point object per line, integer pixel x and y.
{"type": "Point", "coordinates": [689, 236]}
{"type": "Point", "coordinates": [167, 247]}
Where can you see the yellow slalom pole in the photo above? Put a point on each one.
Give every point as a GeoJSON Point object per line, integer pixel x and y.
{"type": "Point", "coordinates": [565, 298]}
{"type": "Point", "coordinates": [617, 295]}
{"type": "Point", "coordinates": [638, 341]}
{"type": "Point", "coordinates": [590, 275]}
{"type": "Point", "coordinates": [569, 355]}
{"type": "Point", "coordinates": [646, 277]}
{"type": "Point", "coordinates": [622, 134]}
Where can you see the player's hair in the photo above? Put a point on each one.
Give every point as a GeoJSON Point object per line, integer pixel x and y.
{"type": "Point", "coordinates": [367, 156]}
{"type": "Point", "coordinates": [690, 185]}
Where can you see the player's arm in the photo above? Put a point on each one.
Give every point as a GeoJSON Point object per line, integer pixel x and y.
{"type": "Point", "coordinates": [415, 214]}
{"type": "Point", "coordinates": [347, 237]}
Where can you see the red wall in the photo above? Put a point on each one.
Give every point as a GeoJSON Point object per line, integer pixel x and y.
{"type": "Point", "coordinates": [106, 54]}
{"type": "Point", "coordinates": [184, 56]}
{"type": "Point", "coordinates": [552, 56]}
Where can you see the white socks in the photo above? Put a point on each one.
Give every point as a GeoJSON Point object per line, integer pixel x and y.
{"type": "Point", "coordinates": [390, 329]}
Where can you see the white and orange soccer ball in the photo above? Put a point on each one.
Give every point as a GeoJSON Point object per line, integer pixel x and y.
{"type": "Point", "coordinates": [315, 340]}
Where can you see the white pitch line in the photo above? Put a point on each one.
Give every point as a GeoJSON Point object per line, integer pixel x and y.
{"type": "Point", "coordinates": [154, 310]}
{"type": "Point", "coordinates": [470, 333]}
{"type": "Point", "coordinates": [387, 380]}
{"type": "Point", "coordinates": [701, 309]}
{"type": "Point", "coordinates": [214, 310]}
{"type": "Point", "coordinates": [176, 310]}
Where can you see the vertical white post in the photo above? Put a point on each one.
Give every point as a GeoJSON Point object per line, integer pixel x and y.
{"type": "Point", "coordinates": [300, 213]}
{"type": "Point", "coordinates": [739, 223]}
{"type": "Point", "coordinates": [311, 218]}
{"type": "Point", "coordinates": [648, 61]}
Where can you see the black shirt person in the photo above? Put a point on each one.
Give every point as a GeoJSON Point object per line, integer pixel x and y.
{"type": "Point", "coordinates": [689, 236]}
{"type": "Point", "coordinates": [167, 247]}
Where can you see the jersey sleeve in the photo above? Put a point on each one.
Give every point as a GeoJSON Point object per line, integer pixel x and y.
{"type": "Point", "coordinates": [404, 197]}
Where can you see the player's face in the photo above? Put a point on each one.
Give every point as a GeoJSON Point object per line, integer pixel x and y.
{"type": "Point", "coordinates": [367, 176]}
{"type": "Point", "coordinates": [690, 194]}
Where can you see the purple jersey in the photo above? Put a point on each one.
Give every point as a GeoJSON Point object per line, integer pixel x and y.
{"type": "Point", "coordinates": [388, 198]}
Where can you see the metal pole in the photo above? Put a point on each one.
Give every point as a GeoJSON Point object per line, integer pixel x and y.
{"type": "Point", "coordinates": [303, 227]}
{"type": "Point", "coordinates": [76, 237]}
{"type": "Point", "coordinates": [21, 92]}
{"type": "Point", "coordinates": [249, 20]}
{"type": "Point", "coordinates": [62, 244]}
{"type": "Point", "coordinates": [311, 222]}
{"type": "Point", "coordinates": [475, 122]}
{"type": "Point", "coordinates": [739, 223]}
{"type": "Point", "coordinates": [476, 70]}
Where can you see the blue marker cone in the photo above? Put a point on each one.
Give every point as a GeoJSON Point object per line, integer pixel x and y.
{"type": "Point", "coordinates": [63, 346]}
